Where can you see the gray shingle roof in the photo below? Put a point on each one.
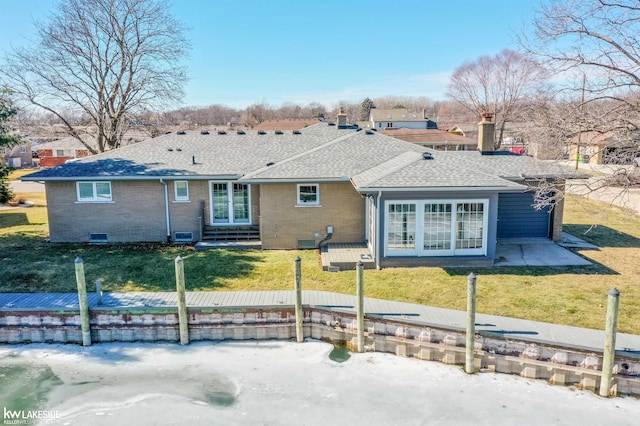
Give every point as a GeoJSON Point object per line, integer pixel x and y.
{"type": "Point", "coordinates": [321, 153]}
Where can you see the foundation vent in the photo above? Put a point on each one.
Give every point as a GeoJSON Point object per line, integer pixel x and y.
{"type": "Point", "coordinates": [306, 244]}
{"type": "Point", "coordinates": [96, 238]}
{"type": "Point", "coordinates": [183, 237]}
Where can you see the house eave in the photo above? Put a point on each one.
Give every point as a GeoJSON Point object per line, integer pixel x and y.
{"type": "Point", "coordinates": [520, 188]}
{"type": "Point", "coordinates": [129, 178]}
{"type": "Point", "coordinates": [296, 180]}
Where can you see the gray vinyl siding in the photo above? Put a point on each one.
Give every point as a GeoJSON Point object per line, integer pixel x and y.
{"type": "Point", "coordinates": [518, 219]}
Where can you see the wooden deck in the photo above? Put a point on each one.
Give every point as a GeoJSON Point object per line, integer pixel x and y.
{"type": "Point", "coordinates": [344, 256]}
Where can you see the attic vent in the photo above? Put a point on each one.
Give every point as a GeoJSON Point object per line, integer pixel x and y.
{"type": "Point", "coordinates": [183, 237]}
{"type": "Point", "coordinates": [97, 238]}
{"type": "Point", "coordinates": [278, 132]}
{"type": "Point", "coordinates": [306, 244]}
{"type": "Point", "coordinates": [222, 132]}
{"type": "Point", "coordinates": [297, 132]}
{"type": "Point", "coordinates": [178, 149]}
{"type": "Point", "coordinates": [182, 132]}
{"type": "Point", "coordinates": [262, 132]}
{"type": "Point", "coordinates": [241, 132]}
{"type": "Point", "coordinates": [169, 149]}
{"type": "Point", "coordinates": [368, 132]}
{"type": "Point", "coordinates": [331, 123]}
{"type": "Point", "coordinates": [270, 163]}
{"type": "Point", "coordinates": [204, 132]}
{"type": "Point", "coordinates": [427, 156]}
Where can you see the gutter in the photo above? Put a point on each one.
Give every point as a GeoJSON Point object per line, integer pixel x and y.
{"type": "Point", "coordinates": [128, 178]}
{"type": "Point", "coordinates": [377, 248]}
{"type": "Point", "coordinates": [166, 208]}
{"type": "Point", "coordinates": [518, 188]}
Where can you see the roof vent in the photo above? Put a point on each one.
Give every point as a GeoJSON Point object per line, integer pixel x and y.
{"type": "Point", "coordinates": [297, 132]}
{"type": "Point", "coordinates": [182, 132]}
{"type": "Point", "coordinates": [368, 132]}
{"type": "Point", "coordinates": [427, 156]}
{"type": "Point", "coordinates": [331, 123]}
{"type": "Point", "coordinates": [169, 149]}
{"type": "Point", "coordinates": [222, 132]}
{"type": "Point", "coordinates": [178, 149]}
{"type": "Point", "coordinates": [278, 132]}
{"type": "Point", "coordinates": [241, 132]}
{"type": "Point", "coordinates": [270, 163]}
{"type": "Point", "coordinates": [262, 132]}
{"type": "Point", "coordinates": [204, 132]}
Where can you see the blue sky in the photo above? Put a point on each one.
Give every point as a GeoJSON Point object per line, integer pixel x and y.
{"type": "Point", "coordinates": [302, 51]}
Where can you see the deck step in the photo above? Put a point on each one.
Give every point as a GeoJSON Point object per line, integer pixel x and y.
{"type": "Point", "coordinates": [231, 233]}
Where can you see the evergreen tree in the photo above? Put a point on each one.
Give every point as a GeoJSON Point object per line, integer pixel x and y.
{"type": "Point", "coordinates": [365, 109]}
{"type": "Point", "coordinates": [6, 140]}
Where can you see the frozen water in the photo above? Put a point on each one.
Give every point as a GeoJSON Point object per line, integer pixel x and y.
{"type": "Point", "coordinates": [280, 383]}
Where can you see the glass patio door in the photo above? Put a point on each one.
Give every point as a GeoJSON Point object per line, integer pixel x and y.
{"type": "Point", "coordinates": [230, 203]}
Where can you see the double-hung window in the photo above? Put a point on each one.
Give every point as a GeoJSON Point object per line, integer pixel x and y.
{"type": "Point", "coordinates": [181, 190]}
{"type": "Point", "coordinates": [94, 191]}
{"type": "Point", "coordinates": [308, 195]}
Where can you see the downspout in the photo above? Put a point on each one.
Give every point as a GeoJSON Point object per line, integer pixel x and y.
{"type": "Point", "coordinates": [166, 208]}
{"type": "Point", "coordinates": [377, 239]}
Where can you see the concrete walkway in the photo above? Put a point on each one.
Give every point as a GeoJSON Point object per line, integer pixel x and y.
{"type": "Point", "coordinates": [523, 330]}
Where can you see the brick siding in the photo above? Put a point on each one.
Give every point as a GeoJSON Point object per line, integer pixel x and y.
{"type": "Point", "coordinates": [282, 222]}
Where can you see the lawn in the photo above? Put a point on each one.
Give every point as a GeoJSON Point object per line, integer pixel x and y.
{"type": "Point", "coordinates": [573, 295]}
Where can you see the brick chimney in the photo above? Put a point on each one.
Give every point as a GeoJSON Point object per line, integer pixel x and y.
{"type": "Point", "coordinates": [342, 119]}
{"type": "Point", "coordinates": [486, 134]}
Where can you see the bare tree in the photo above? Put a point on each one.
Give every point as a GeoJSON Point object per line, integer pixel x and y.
{"type": "Point", "coordinates": [104, 59]}
{"type": "Point", "coordinates": [496, 84]}
{"type": "Point", "coordinates": [593, 47]}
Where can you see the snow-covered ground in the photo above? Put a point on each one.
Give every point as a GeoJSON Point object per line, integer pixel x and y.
{"type": "Point", "coordinates": [280, 383]}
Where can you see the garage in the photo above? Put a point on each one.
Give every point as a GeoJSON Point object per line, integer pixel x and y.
{"type": "Point", "coordinates": [516, 218]}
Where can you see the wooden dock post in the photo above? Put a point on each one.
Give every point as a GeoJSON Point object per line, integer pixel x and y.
{"type": "Point", "coordinates": [471, 324]}
{"type": "Point", "coordinates": [609, 354]}
{"type": "Point", "coordinates": [298, 286]}
{"type": "Point", "coordinates": [82, 302]}
{"type": "Point", "coordinates": [183, 318]}
{"type": "Point", "coordinates": [99, 292]}
{"type": "Point", "coordinates": [360, 304]}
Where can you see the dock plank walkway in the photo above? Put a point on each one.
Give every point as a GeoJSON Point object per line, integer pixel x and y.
{"type": "Point", "coordinates": [412, 314]}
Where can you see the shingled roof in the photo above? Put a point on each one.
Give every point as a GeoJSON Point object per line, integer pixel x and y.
{"type": "Point", "coordinates": [318, 153]}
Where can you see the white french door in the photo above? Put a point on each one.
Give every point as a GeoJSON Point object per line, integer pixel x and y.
{"type": "Point", "coordinates": [230, 203]}
{"type": "Point", "coordinates": [436, 227]}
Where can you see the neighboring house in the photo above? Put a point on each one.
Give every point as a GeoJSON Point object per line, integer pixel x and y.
{"type": "Point", "coordinates": [601, 148]}
{"type": "Point", "coordinates": [300, 188]}
{"type": "Point", "coordinates": [286, 124]}
{"type": "Point", "coordinates": [400, 118]}
{"type": "Point", "coordinates": [59, 151]}
{"type": "Point", "coordinates": [18, 156]}
{"type": "Point", "coordinates": [433, 138]}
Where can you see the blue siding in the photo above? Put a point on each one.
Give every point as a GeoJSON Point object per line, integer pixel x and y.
{"type": "Point", "coordinates": [518, 219]}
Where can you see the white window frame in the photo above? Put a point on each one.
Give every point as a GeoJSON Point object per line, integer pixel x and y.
{"type": "Point", "coordinates": [94, 198]}
{"type": "Point", "coordinates": [300, 202]}
{"type": "Point", "coordinates": [419, 250]}
{"type": "Point", "coordinates": [175, 188]}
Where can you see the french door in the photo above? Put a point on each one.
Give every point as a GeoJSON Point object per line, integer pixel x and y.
{"type": "Point", "coordinates": [436, 228]}
{"type": "Point", "coordinates": [230, 203]}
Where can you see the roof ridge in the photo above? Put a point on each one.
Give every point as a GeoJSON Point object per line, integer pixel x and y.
{"type": "Point", "coordinates": [299, 155]}
{"type": "Point", "coordinates": [385, 168]}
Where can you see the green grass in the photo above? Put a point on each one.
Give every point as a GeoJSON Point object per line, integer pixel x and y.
{"type": "Point", "coordinates": [573, 295]}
